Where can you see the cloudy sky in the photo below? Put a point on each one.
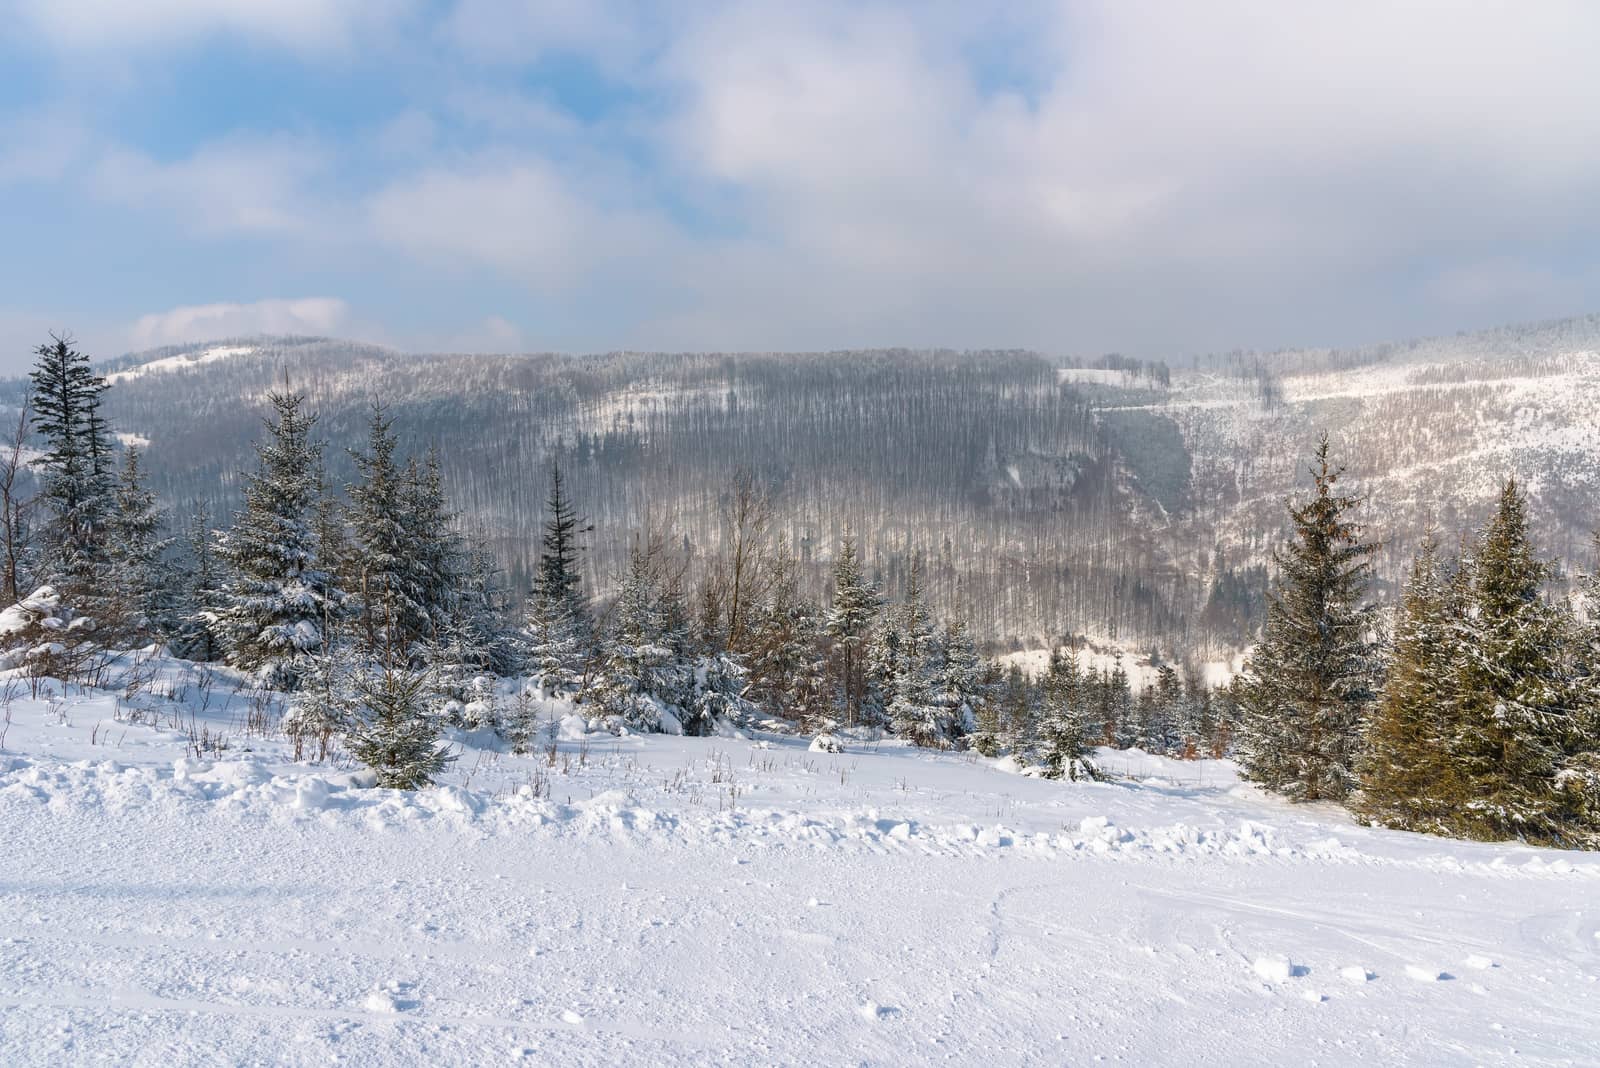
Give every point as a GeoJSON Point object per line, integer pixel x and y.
{"type": "Point", "coordinates": [581, 175]}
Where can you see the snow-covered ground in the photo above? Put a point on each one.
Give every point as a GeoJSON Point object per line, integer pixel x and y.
{"type": "Point", "coordinates": [742, 900]}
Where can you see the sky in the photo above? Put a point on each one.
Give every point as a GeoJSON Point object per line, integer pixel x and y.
{"type": "Point", "coordinates": [1157, 178]}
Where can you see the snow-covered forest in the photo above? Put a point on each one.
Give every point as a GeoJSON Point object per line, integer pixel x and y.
{"type": "Point", "coordinates": [341, 645]}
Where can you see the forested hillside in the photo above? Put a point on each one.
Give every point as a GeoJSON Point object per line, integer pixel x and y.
{"type": "Point", "coordinates": [1112, 497]}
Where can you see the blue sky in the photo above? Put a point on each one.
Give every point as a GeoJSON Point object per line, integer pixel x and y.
{"type": "Point", "coordinates": [587, 175]}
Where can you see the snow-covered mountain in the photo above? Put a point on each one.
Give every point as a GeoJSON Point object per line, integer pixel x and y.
{"type": "Point", "coordinates": [1129, 500]}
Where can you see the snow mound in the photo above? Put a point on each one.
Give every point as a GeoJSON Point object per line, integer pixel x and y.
{"type": "Point", "coordinates": [826, 743]}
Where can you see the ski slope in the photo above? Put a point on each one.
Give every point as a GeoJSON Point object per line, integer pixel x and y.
{"type": "Point", "coordinates": [740, 900]}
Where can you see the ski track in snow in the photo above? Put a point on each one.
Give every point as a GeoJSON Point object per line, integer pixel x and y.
{"type": "Point", "coordinates": [882, 906]}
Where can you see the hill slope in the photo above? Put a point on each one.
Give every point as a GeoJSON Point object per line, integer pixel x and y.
{"type": "Point", "coordinates": [656, 900]}
{"type": "Point", "coordinates": [1125, 500]}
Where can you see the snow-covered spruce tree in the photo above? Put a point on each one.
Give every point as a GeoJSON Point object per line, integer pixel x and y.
{"type": "Point", "coordinates": [1062, 748]}
{"type": "Point", "coordinates": [788, 671]}
{"type": "Point", "coordinates": [1409, 778]}
{"type": "Point", "coordinates": [441, 558]}
{"type": "Point", "coordinates": [1162, 730]}
{"type": "Point", "coordinates": [390, 730]}
{"type": "Point", "coordinates": [848, 624]}
{"type": "Point", "coordinates": [1196, 725]}
{"type": "Point", "coordinates": [1579, 778]}
{"type": "Point", "coordinates": [1018, 719]}
{"type": "Point", "coordinates": [141, 602]}
{"type": "Point", "coordinates": [324, 705]}
{"type": "Point", "coordinates": [557, 636]}
{"type": "Point", "coordinates": [914, 711]}
{"type": "Point", "coordinates": [472, 648]}
{"type": "Point", "coordinates": [1308, 684]}
{"type": "Point", "coordinates": [986, 713]}
{"type": "Point", "coordinates": [961, 687]}
{"type": "Point", "coordinates": [639, 673]}
{"type": "Point", "coordinates": [1521, 698]}
{"type": "Point", "coordinates": [276, 594]}
{"type": "Point", "coordinates": [1123, 715]}
{"type": "Point", "coordinates": [198, 591]}
{"type": "Point", "coordinates": [73, 470]}
{"type": "Point", "coordinates": [387, 585]}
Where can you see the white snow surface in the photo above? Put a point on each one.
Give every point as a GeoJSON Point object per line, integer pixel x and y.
{"type": "Point", "coordinates": [182, 362]}
{"type": "Point", "coordinates": [741, 899]}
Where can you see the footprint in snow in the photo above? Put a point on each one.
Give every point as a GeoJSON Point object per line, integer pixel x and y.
{"type": "Point", "coordinates": [871, 1010]}
{"type": "Point", "coordinates": [1278, 969]}
{"type": "Point", "coordinates": [390, 997]}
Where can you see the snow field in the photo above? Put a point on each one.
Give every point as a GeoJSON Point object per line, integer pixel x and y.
{"type": "Point", "coordinates": [742, 900]}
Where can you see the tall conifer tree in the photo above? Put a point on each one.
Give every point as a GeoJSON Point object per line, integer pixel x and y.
{"type": "Point", "coordinates": [1308, 684]}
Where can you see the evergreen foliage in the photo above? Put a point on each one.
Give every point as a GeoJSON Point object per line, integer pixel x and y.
{"type": "Point", "coordinates": [74, 468]}
{"type": "Point", "coordinates": [390, 730]}
{"type": "Point", "coordinates": [848, 624]}
{"type": "Point", "coordinates": [1521, 700]}
{"type": "Point", "coordinates": [277, 595]}
{"type": "Point", "coordinates": [557, 635]}
{"type": "Point", "coordinates": [1408, 773]}
{"type": "Point", "coordinates": [1308, 684]}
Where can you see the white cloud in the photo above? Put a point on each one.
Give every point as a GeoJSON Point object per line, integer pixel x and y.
{"type": "Point", "coordinates": [120, 24]}
{"type": "Point", "coordinates": [239, 185]}
{"type": "Point", "coordinates": [1084, 175]}
{"type": "Point", "coordinates": [524, 216]}
{"type": "Point", "coordinates": [206, 322]}
{"type": "Point", "coordinates": [614, 32]}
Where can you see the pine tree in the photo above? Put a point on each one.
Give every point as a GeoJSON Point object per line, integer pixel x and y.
{"type": "Point", "coordinates": [1163, 734]}
{"type": "Point", "coordinates": [557, 635]}
{"type": "Point", "coordinates": [1062, 747]}
{"type": "Point", "coordinates": [1308, 684]}
{"type": "Point", "coordinates": [139, 597]}
{"type": "Point", "coordinates": [788, 666]}
{"type": "Point", "coordinates": [913, 710]}
{"type": "Point", "coordinates": [1408, 774]}
{"type": "Point", "coordinates": [76, 484]}
{"type": "Point", "coordinates": [389, 595]}
{"type": "Point", "coordinates": [986, 714]}
{"type": "Point", "coordinates": [324, 706]}
{"type": "Point", "coordinates": [1018, 720]}
{"type": "Point", "coordinates": [390, 730]}
{"type": "Point", "coordinates": [1119, 692]}
{"type": "Point", "coordinates": [1520, 697]}
{"type": "Point", "coordinates": [960, 690]}
{"type": "Point", "coordinates": [848, 624]}
{"type": "Point", "coordinates": [438, 554]}
{"type": "Point", "coordinates": [199, 590]}
{"type": "Point", "coordinates": [639, 674]}
{"type": "Point", "coordinates": [276, 595]}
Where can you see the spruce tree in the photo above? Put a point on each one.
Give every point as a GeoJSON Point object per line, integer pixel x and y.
{"type": "Point", "coordinates": [637, 676]}
{"type": "Point", "coordinates": [74, 470]}
{"type": "Point", "coordinates": [788, 664]}
{"type": "Point", "coordinates": [276, 594]}
{"type": "Point", "coordinates": [1521, 702]}
{"type": "Point", "coordinates": [199, 591]}
{"type": "Point", "coordinates": [1062, 747]}
{"type": "Point", "coordinates": [912, 711]}
{"type": "Point", "coordinates": [1408, 774]}
{"type": "Point", "coordinates": [390, 730]}
{"type": "Point", "coordinates": [848, 625]}
{"type": "Point", "coordinates": [140, 598]}
{"type": "Point", "coordinates": [1308, 684]}
{"type": "Point", "coordinates": [388, 592]}
{"type": "Point", "coordinates": [557, 633]}
{"type": "Point", "coordinates": [960, 689]}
